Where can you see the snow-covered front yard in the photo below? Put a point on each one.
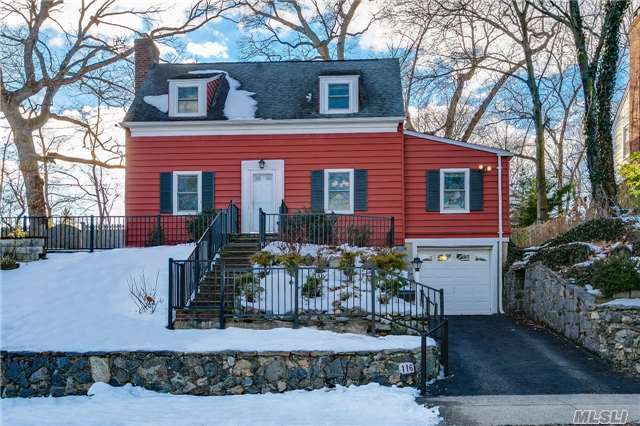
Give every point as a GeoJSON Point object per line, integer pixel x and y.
{"type": "Point", "coordinates": [365, 405]}
{"type": "Point", "coordinates": [81, 302]}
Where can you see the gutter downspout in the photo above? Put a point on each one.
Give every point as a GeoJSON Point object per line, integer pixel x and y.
{"type": "Point", "coordinates": [500, 235]}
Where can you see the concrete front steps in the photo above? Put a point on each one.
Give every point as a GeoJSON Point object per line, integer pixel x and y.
{"type": "Point", "coordinates": [204, 310]}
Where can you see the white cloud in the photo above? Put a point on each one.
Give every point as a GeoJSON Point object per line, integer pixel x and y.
{"type": "Point", "coordinates": [208, 49]}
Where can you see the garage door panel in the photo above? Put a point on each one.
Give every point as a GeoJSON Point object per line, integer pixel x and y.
{"type": "Point", "coordinates": [464, 275]}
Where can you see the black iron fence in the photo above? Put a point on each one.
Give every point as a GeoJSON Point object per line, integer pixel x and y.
{"type": "Point", "coordinates": [304, 293]}
{"type": "Point", "coordinates": [186, 275]}
{"type": "Point", "coordinates": [327, 228]}
{"type": "Point", "coordinates": [88, 233]}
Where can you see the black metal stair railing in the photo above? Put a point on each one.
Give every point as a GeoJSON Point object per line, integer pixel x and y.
{"type": "Point", "coordinates": [185, 275]}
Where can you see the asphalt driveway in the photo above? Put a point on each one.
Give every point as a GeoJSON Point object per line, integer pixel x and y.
{"type": "Point", "coordinates": [494, 355]}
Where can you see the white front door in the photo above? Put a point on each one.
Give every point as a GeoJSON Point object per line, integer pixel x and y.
{"type": "Point", "coordinates": [465, 276]}
{"type": "Point", "coordinates": [262, 197]}
{"type": "Point", "coordinates": [262, 188]}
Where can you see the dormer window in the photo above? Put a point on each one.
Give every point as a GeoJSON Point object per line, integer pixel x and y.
{"type": "Point", "coordinates": [187, 98]}
{"type": "Point", "coordinates": [339, 94]}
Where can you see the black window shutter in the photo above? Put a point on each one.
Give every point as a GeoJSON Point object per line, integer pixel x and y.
{"type": "Point", "coordinates": [208, 190]}
{"type": "Point", "coordinates": [433, 190]}
{"type": "Point", "coordinates": [476, 189]}
{"type": "Point", "coordinates": [166, 192]}
{"type": "Point", "coordinates": [317, 190]}
{"type": "Point", "coordinates": [361, 190]}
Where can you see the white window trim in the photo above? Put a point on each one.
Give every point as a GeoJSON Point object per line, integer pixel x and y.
{"type": "Point", "coordinates": [351, 80]}
{"type": "Point", "coordinates": [466, 191]}
{"type": "Point", "coordinates": [177, 212]}
{"type": "Point", "coordinates": [351, 190]}
{"type": "Point", "coordinates": [202, 97]}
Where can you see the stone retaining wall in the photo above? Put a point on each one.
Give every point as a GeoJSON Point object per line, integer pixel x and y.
{"type": "Point", "coordinates": [25, 249]}
{"type": "Point", "coordinates": [27, 374]}
{"type": "Point", "coordinates": [546, 297]}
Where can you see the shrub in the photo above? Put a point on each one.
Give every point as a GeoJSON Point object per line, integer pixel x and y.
{"type": "Point", "coordinates": [17, 232]}
{"type": "Point", "coordinates": [152, 237]}
{"type": "Point", "coordinates": [583, 275]}
{"type": "Point", "coordinates": [602, 229]}
{"type": "Point", "coordinates": [301, 227]}
{"type": "Point", "coordinates": [248, 285]}
{"type": "Point", "coordinates": [263, 258]}
{"type": "Point", "coordinates": [563, 255]}
{"type": "Point", "coordinates": [8, 261]}
{"type": "Point", "coordinates": [615, 274]}
{"type": "Point", "coordinates": [358, 235]}
{"type": "Point", "coordinates": [391, 285]}
{"type": "Point", "coordinates": [291, 261]}
{"type": "Point", "coordinates": [144, 295]}
{"type": "Point", "coordinates": [312, 286]}
{"type": "Point", "coordinates": [198, 224]}
{"type": "Point", "coordinates": [388, 261]}
{"type": "Point", "coordinates": [347, 264]}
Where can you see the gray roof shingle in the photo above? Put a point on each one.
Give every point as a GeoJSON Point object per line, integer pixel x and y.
{"type": "Point", "coordinates": [281, 88]}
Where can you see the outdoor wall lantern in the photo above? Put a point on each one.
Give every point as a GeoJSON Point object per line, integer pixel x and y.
{"type": "Point", "coordinates": [261, 164]}
{"type": "Point", "coordinates": [485, 168]}
{"type": "Point", "coordinates": [416, 262]}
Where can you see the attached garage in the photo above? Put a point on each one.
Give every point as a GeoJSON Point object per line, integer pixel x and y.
{"type": "Point", "coordinates": [465, 274]}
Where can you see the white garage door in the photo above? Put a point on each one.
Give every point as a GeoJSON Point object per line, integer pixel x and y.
{"type": "Point", "coordinates": [463, 273]}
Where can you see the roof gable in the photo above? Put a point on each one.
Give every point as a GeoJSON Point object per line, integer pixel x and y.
{"type": "Point", "coordinates": [281, 90]}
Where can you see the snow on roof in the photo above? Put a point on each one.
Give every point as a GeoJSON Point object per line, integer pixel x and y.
{"type": "Point", "coordinates": [240, 104]}
{"type": "Point", "coordinates": [161, 102]}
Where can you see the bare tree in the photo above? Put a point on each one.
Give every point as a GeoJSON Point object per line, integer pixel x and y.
{"type": "Point", "coordinates": [597, 54]}
{"type": "Point", "coordinates": [32, 73]}
{"type": "Point", "coordinates": [292, 29]}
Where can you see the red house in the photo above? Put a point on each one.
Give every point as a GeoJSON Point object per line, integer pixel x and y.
{"type": "Point", "coordinates": [326, 136]}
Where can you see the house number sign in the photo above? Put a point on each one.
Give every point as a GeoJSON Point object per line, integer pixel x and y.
{"type": "Point", "coordinates": [406, 368]}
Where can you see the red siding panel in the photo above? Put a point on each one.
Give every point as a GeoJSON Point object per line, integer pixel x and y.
{"type": "Point", "coordinates": [391, 190]}
{"type": "Point", "coordinates": [422, 155]}
{"type": "Point", "coordinates": [379, 153]}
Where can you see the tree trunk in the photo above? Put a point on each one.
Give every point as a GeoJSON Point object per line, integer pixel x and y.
{"type": "Point", "coordinates": [532, 84]}
{"type": "Point", "coordinates": [33, 182]}
{"type": "Point", "coordinates": [604, 92]}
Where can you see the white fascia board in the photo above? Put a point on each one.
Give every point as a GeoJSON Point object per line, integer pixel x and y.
{"type": "Point", "coordinates": [455, 242]}
{"type": "Point", "coordinates": [477, 147]}
{"type": "Point", "coordinates": [264, 127]}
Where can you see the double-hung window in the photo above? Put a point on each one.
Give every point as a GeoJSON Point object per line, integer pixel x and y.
{"type": "Point", "coordinates": [187, 100]}
{"type": "Point", "coordinates": [454, 191]}
{"type": "Point", "coordinates": [338, 191]}
{"type": "Point", "coordinates": [187, 198]}
{"type": "Point", "coordinates": [339, 94]}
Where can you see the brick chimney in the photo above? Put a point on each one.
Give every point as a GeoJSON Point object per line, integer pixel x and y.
{"type": "Point", "coordinates": [146, 54]}
{"type": "Point", "coordinates": [634, 84]}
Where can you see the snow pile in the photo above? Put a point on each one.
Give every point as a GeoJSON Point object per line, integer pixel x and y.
{"type": "Point", "coordinates": [625, 303]}
{"type": "Point", "coordinates": [240, 104]}
{"type": "Point", "coordinates": [80, 302]}
{"type": "Point", "coordinates": [161, 102]}
{"type": "Point", "coordinates": [364, 405]}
